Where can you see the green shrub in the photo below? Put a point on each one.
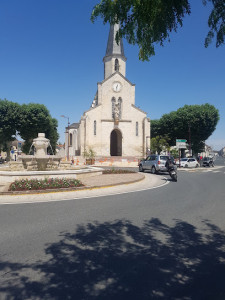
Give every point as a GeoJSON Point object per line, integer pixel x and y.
{"type": "Point", "coordinates": [43, 184]}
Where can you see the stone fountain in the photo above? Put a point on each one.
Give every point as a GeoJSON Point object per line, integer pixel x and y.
{"type": "Point", "coordinates": [41, 161]}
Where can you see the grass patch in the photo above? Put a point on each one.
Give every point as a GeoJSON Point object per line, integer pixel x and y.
{"type": "Point", "coordinates": [44, 184]}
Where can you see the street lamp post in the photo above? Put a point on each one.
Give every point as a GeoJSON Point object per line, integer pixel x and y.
{"type": "Point", "coordinates": [68, 140]}
{"type": "Point", "coordinates": [189, 133]}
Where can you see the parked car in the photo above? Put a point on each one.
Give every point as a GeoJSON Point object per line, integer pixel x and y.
{"type": "Point", "coordinates": [207, 162]}
{"type": "Point", "coordinates": [155, 163]}
{"type": "Point", "coordinates": [2, 160]}
{"type": "Point", "coordinates": [188, 162]}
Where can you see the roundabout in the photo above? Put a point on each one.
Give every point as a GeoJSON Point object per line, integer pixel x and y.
{"type": "Point", "coordinates": [95, 186]}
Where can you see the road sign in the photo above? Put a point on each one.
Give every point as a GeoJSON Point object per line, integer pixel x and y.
{"type": "Point", "coordinates": [181, 143]}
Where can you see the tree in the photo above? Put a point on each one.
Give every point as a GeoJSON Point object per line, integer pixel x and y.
{"type": "Point", "coordinates": [155, 128]}
{"type": "Point", "coordinates": [9, 117]}
{"type": "Point", "coordinates": [35, 118]}
{"type": "Point", "coordinates": [174, 153]}
{"type": "Point", "coordinates": [52, 134]}
{"type": "Point", "coordinates": [148, 22]}
{"type": "Point", "coordinates": [27, 120]}
{"type": "Point", "coordinates": [159, 143]}
{"type": "Point", "coordinates": [191, 122]}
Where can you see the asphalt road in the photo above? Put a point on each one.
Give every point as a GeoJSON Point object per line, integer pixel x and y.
{"type": "Point", "coordinates": [167, 243]}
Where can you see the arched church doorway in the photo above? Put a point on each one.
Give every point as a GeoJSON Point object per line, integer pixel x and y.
{"type": "Point", "coordinates": [116, 143]}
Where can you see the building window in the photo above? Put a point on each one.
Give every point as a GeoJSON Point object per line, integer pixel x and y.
{"type": "Point", "coordinates": [136, 128]}
{"type": "Point", "coordinates": [71, 139]}
{"type": "Point", "coordinates": [116, 64]}
{"type": "Point", "coordinates": [94, 127]}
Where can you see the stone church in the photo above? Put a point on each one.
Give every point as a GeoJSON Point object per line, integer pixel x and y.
{"type": "Point", "coordinates": [113, 126]}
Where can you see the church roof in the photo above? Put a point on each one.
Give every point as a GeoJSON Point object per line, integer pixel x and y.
{"type": "Point", "coordinates": [114, 49]}
{"type": "Point", "coordinates": [138, 108]}
{"type": "Point", "coordinates": [117, 72]}
{"type": "Point", "coordinates": [73, 126]}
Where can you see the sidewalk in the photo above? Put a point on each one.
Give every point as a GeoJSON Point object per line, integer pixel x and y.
{"type": "Point", "coordinates": [96, 186]}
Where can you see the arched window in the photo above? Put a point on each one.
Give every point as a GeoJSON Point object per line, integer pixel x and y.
{"type": "Point", "coordinates": [116, 64]}
{"type": "Point", "coordinates": [136, 128]}
{"type": "Point", "coordinates": [113, 106]}
{"type": "Point", "coordinates": [71, 139]}
{"type": "Point", "coordinates": [94, 127]}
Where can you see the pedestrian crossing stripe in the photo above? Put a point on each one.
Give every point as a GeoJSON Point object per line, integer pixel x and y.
{"type": "Point", "coordinates": [212, 171]}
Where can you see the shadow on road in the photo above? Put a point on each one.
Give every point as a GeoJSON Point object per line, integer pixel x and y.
{"type": "Point", "coordinates": [122, 261]}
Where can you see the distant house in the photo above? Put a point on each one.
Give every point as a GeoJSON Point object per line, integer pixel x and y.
{"type": "Point", "coordinates": [72, 142]}
{"type": "Point", "coordinates": [208, 151]}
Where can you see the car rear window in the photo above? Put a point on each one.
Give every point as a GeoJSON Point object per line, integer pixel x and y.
{"type": "Point", "coordinates": [164, 157]}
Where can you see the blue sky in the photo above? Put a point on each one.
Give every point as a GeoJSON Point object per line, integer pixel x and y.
{"type": "Point", "coordinates": [51, 53]}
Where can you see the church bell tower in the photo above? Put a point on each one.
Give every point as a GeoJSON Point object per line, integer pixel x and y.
{"type": "Point", "coordinates": [114, 60]}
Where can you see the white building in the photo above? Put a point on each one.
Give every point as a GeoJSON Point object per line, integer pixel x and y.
{"type": "Point", "coordinates": [113, 126]}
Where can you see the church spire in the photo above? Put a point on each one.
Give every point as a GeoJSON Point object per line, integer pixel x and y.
{"type": "Point", "coordinates": [112, 47]}
{"type": "Point", "coordinates": [114, 59]}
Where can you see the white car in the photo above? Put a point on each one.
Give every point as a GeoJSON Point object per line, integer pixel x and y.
{"type": "Point", "coordinates": [188, 163]}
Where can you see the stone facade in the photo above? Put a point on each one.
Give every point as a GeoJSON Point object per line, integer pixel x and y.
{"type": "Point", "coordinates": [113, 126]}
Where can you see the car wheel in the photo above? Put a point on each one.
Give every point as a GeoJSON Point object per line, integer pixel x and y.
{"type": "Point", "coordinates": [186, 166]}
{"type": "Point", "coordinates": [141, 168]}
{"type": "Point", "coordinates": [153, 170]}
{"type": "Point", "coordinates": [196, 166]}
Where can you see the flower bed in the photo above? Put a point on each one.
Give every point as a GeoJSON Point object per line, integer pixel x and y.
{"type": "Point", "coordinates": [48, 183]}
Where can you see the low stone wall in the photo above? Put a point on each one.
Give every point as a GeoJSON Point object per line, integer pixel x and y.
{"type": "Point", "coordinates": [7, 177]}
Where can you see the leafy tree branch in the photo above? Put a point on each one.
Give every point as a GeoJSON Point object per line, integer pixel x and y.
{"type": "Point", "coordinates": [149, 22]}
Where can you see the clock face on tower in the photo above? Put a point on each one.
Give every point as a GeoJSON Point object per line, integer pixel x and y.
{"type": "Point", "coordinates": [117, 86]}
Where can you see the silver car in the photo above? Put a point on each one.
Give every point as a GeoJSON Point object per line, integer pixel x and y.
{"type": "Point", "coordinates": [155, 163]}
